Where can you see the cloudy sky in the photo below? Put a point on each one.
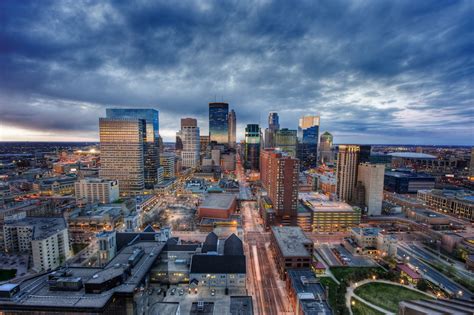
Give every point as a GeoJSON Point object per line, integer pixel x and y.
{"type": "Point", "coordinates": [376, 71]}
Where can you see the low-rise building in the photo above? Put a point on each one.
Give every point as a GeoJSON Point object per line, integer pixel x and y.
{"type": "Point", "coordinates": [435, 307]}
{"type": "Point", "coordinates": [218, 205]}
{"type": "Point", "coordinates": [291, 248]}
{"type": "Point", "coordinates": [92, 190]}
{"type": "Point", "coordinates": [371, 241]}
{"type": "Point", "coordinates": [458, 203]}
{"type": "Point", "coordinates": [407, 181]}
{"type": "Point", "coordinates": [56, 185]}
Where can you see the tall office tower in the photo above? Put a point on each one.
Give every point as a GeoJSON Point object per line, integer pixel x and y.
{"type": "Point", "coordinates": [273, 126]}
{"type": "Point", "coordinates": [279, 176]}
{"type": "Point", "coordinates": [286, 140]}
{"type": "Point", "coordinates": [326, 154]}
{"type": "Point", "coordinates": [218, 123]}
{"type": "Point", "coordinates": [346, 171]}
{"type": "Point", "coordinates": [372, 177]}
{"type": "Point", "coordinates": [232, 121]}
{"type": "Point", "coordinates": [308, 134]}
{"type": "Point", "coordinates": [252, 147]}
{"type": "Point", "coordinates": [151, 157]}
{"type": "Point", "coordinates": [121, 153]}
{"type": "Point", "coordinates": [167, 161]}
{"type": "Point", "coordinates": [189, 135]}
{"type": "Point", "coordinates": [364, 153]}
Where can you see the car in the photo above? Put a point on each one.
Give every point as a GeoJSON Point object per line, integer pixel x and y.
{"type": "Point", "coordinates": [181, 291]}
{"type": "Point", "coordinates": [173, 291]}
{"type": "Point", "coordinates": [213, 292]}
{"type": "Point", "coordinates": [158, 292]}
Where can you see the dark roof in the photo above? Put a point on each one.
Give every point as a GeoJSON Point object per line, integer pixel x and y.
{"type": "Point", "coordinates": [210, 244]}
{"type": "Point", "coordinates": [218, 264]}
{"type": "Point", "coordinates": [233, 245]}
{"type": "Point", "coordinates": [128, 238]}
{"type": "Point", "coordinates": [149, 229]}
{"type": "Point", "coordinates": [172, 241]}
{"type": "Point", "coordinates": [180, 247]}
{"type": "Point", "coordinates": [241, 305]}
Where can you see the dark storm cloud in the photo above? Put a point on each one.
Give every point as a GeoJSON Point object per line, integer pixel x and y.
{"type": "Point", "coordinates": [383, 70]}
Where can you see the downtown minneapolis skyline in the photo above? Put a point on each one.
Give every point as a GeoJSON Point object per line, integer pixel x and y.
{"type": "Point", "coordinates": [375, 71]}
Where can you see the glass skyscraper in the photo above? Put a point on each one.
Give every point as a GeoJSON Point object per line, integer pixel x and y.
{"type": "Point", "coordinates": [273, 127]}
{"type": "Point", "coordinates": [308, 135]}
{"type": "Point", "coordinates": [151, 154]}
{"type": "Point", "coordinates": [252, 146]}
{"type": "Point", "coordinates": [286, 140]}
{"type": "Point", "coordinates": [218, 123]}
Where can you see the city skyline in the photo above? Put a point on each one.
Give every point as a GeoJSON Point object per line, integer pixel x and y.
{"type": "Point", "coordinates": [376, 72]}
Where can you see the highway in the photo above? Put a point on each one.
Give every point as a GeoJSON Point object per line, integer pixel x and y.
{"type": "Point", "coordinates": [433, 275]}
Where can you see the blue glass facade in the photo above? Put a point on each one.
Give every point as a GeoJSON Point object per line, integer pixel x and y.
{"type": "Point", "coordinates": [308, 147]}
{"type": "Point", "coordinates": [218, 123]}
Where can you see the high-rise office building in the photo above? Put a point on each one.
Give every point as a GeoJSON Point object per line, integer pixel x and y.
{"type": "Point", "coordinates": [167, 161]}
{"type": "Point", "coordinates": [232, 121]}
{"type": "Point", "coordinates": [286, 140]}
{"type": "Point", "coordinates": [346, 171]}
{"type": "Point", "coordinates": [365, 153]}
{"type": "Point", "coordinates": [121, 153]}
{"type": "Point", "coordinates": [219, 123]}
{"type": "Point", "coordinates": [151, 156]}
{"type": "Point", "coordinates": [326, 154]}
{"type": "Point", "coordinates": [273, 126]}
{"type": "Point", "coordinates": [189, 135]}
{"type": "Point", "coordinates": [372, 177]}
{"type": "Point", "coordinates": [279, 176]}
{"type": "Point", "coordinates": [252, 147]}
{"type": "Point", "coordinates": [308, 134]}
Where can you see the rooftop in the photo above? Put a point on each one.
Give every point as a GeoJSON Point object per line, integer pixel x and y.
{"type": "Point", "coordinates": [241, 305]}
{"type": "Point", "coordinates": [366, 231]}
{"type": "Point", "coordinates": [317, 202]}
{"type": "Point", "coordinates": [309, 290]}
{"type": "Point", "coordinates": [291, 240]}
{"type": "Point", "coordinates": [218, 201]}
{"type": "Point", "coordinates": [412, 155]}
{"type": "Point", "coordinates": [209, 264]}
{"type": "Point", "coordinates": [43, 227]}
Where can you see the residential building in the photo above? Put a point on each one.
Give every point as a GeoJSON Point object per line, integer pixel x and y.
{"type": "Point", "coordinates": [346, 171]}
{"type": "Point", "coordinates": [291, 248]}
{"type": "Point", "coordinates": [252, 147]}
{"type": "Point", "coordinates": [219, 123]}
{"type": "Point", "coordinates": [280, 177]}
{"type": "Point", "coordinates": [92, 190]}
{"type": "Point", "coordinates": [151, 135]}
{"type": "Point", "coordinates": [372, 178]}
{"type": "Point", "coordinates": [121, 153]}
{"type": "Point", "coordinates": [46, 239]}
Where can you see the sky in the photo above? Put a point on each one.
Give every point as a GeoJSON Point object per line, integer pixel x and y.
{"type": "Point", "coordinates": [398, 72]}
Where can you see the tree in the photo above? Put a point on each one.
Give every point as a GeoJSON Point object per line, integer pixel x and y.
{"type": "Point", "coordinates": [422, 285]}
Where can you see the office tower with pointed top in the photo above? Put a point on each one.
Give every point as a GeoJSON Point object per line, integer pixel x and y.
{"type": "Point", "coordinates": [219, 123]}
{"type": "Point", "coordinates": [273, 127]}
{"type": "Point", "coordinates": [308, 134]}
{"type": "Point", "coordinates": [232, 121]}
{"type": "Point", "coordinates": [151, 153]}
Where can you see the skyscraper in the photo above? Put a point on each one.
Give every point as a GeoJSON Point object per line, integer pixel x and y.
{"type": "Point", "coordinates": [372, 177]}
{"type": "Point", "coordinates": [232, 129]}
{"type": "Point", "coordinates": [279, 176]}
{"type": "Point", "coordinates": [346, 170]}
{"type": "Point", "coordinates": [326, 154]}
{"type": "Point", "coordinates": [191, 145]}
{"type": "Point", "coordinates": [286, 140]}
{"type": "Point", "coordinates": [308, 134]}
{"type": "Point", "coordinates": [252, 146]}
{"type": "Point", "coordinates": [273, 127]}
{"type": "Point", "coordinates": [151, 138]}
{"type": "Point", "coordinates": [122, 153]}
{"type": "Point", "coordinates": [218, 123]}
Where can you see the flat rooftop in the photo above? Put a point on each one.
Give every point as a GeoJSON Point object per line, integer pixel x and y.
{"type": "Point", "coordinates": [291, 240]}
{"type": "Point", "coordinates": [366, 231]}
{"type": "Point", "coordinates": [43, 227]}
{"type": "Point", "coordinates": [317, 202]}
{"type": "Point", "coordinates": [218, 201]}
{"type": "Point", "coordinates": [412, 155]}
{"type": "Point", "coordinates": [310, 292]}
{"type": "Point", "coordinates": [241, 305]}
{"type": "Point", "coordinates": [35, 294]}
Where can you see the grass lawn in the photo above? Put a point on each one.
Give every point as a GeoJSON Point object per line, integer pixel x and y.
{"type": "Point", "coordinates": [7, 274]}
{"type": "Point", "coordinates": [328, 282]}
{"type": "Point", "coordinates": [342, 272]}
{"type": "Point", "coordinates": [360, 308]}
{"type": "Point", "coordinates": [387, 296]}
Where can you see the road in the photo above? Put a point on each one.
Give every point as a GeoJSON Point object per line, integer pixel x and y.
{"type": "Point", "coordinates": [433, 275]}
